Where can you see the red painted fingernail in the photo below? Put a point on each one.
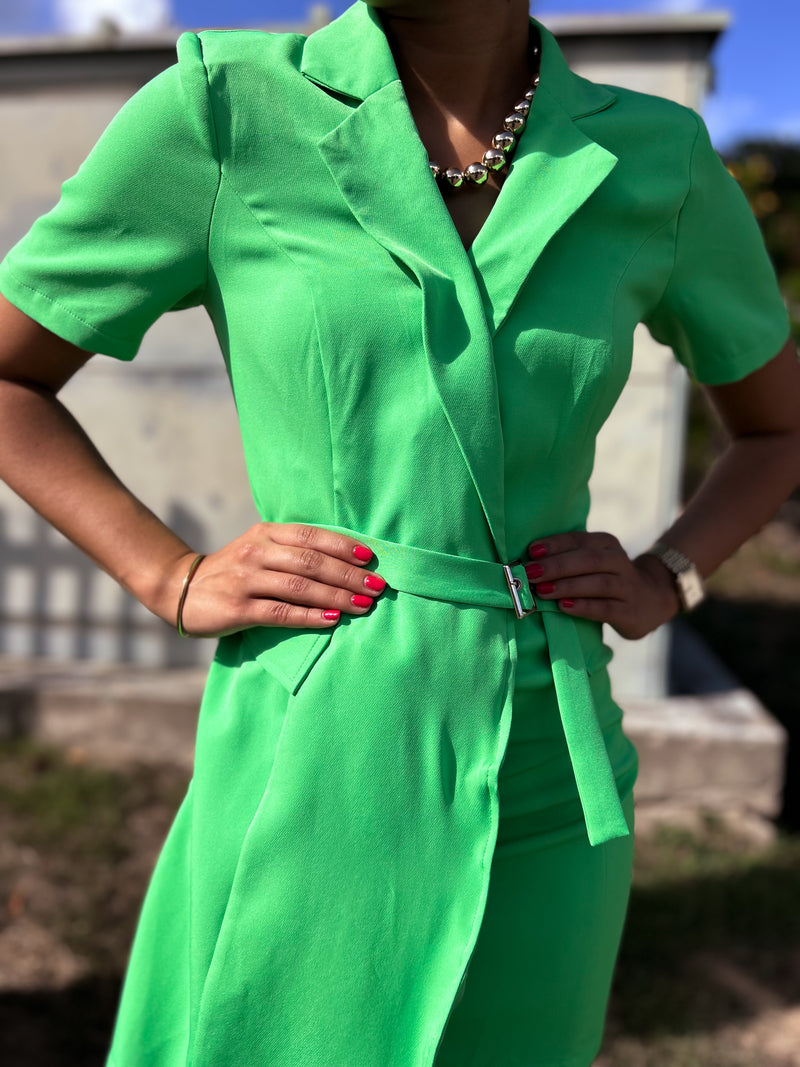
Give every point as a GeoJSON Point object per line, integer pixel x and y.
{"type": "Point", "coordinates": [362, 553]}
{"type": "Point", "coordinates": [567, 603]}
{"type": "Point", "coordinates": [545, 587]}
{"type": "Point", "coordinates": [537, 551]}
{"type": "Point", "coordinates": [372, 581]}
{"type": "Point", "coordinates": [359, 601]}
{"type": "Point", "coordinates": [534, 570]}
{"type": "Point", "coordinates": [331, 616]}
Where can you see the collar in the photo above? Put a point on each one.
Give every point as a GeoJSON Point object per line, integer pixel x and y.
{"type": "Point", "coordinates": [352, 57]}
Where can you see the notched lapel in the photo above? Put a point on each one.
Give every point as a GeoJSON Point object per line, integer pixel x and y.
{"type": "Point", "coordinates": [377, 160]}
{"type": "Point", "coordinates": [380, 165]}
{"type": "Point", "coordinates": [556, 169]}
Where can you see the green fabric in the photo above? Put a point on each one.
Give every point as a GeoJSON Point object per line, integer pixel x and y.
{"type": "Point", "coordinates": [335, 848]}
{"type": "Point", "coordinates": [465, 581]}
{"type": "Point", "coordinates": [524, 973]}
{"type": "Point", "coordinates": [593, 773]}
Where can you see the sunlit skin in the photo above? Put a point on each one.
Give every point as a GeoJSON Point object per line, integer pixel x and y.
{"type": "Point", "coordinates": [462, 63]}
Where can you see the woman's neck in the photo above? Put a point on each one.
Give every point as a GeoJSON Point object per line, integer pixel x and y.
{"type": "Point", "coordinates": [468, 59]}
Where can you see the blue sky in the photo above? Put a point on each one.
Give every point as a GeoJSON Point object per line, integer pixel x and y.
{"type": "Point", "coordinates": [758, 90]}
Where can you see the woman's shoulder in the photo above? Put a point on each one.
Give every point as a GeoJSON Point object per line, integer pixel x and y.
{"type": "Point", "coordinates": [247, 53]}
{"type": "Point", "coordinates": [249, 73]}
{"type": "Point", "coordinates": [639, 119]}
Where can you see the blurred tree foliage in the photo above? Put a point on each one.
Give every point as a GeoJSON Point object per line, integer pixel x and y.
{"type": "Point", "coordinates": [769, 174]}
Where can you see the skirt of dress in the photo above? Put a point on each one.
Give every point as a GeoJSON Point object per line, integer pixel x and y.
{"type": "Point", "coordinates": [536, 989]}
{"type": "Point", "coordinates": [320, 892]}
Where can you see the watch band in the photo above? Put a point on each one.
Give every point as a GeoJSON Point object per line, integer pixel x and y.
{"type": "Point", "coordinates": [688, 583]}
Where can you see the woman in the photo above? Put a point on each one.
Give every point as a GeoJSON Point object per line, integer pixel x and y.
{"type": "Point", "coordinates": [377, 864]}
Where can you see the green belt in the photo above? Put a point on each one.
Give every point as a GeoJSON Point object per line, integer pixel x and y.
{"type": "Point", "coordinates": [477, 582]}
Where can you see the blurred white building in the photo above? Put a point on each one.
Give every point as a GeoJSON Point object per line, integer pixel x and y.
{"type": "Point", "coordinates": [129, 16]}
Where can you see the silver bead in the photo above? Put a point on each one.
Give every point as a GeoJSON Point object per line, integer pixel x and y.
{"type": "Point", "coordinates": [529, 94]}
{"type": "Point", "coordinates": [514, 122]}
{"type": "Point", "coordinates": [436, 170]}
{"type": "Point", "coordinates": [477, 173]}
{"type": "Point", "coordinates": [505, 140]}
{"type": "Point", "coordinates": [523, 107]}
{"type": "Point", "coordinates": [454, 176]}
{"type": "Point", "coordinates": [494, 159]}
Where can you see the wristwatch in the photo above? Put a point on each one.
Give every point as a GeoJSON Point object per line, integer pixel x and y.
{"type": "Point", "coordinates": [688, 583]}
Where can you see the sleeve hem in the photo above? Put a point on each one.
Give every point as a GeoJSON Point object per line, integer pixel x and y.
{"type": "Point", "coordinates": [61, 321]}
{"type": "Point", "coordinates": [734, 369]}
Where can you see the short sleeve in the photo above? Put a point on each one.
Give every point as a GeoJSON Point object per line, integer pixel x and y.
{"type": "Point", "coordinates": [721, 312]}
{"type": "Point", "coordinates": [128, 238]}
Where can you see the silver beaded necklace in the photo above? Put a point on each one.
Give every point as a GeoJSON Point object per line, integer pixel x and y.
{"type": "Point", "coordinates": [503, 143]}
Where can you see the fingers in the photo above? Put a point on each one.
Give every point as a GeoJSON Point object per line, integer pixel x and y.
{"type": "Point", "coordinates": [573, 554]}
{"type": "Point", "coordinates": [341, 593]}
{"type": "Point", "coordinates": [588, 586]}
{"type": "Point", "coordinates": [587, 573]}
{"type": "Point", "coordinates": [318, 539]}
{"type": "Point", "coordinates": [568, 542]}
{"type": "Point", "coordinates": [310, 564]}
{"type": "Point", "coordinates": [309, 567]}
{"type": "Point", "coordinates": [270, 613]}
{"type": "Point", "coordinates": [290, 574]}
{"type": "Point", "coordinates": [292, 616]}
{"type": "Point", "coordinates": [596, 610]}
{"type": "Point", "coordinates": [281, 574]}
{"type": "Point", "coordinates": [591, 576]}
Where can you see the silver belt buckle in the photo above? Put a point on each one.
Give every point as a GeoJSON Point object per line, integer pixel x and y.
{"type": "Point", "coordinates": [514, 586]}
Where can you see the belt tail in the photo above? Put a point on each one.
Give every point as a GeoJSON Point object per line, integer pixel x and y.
{"type": "Point", "coordinates": [594, 777]}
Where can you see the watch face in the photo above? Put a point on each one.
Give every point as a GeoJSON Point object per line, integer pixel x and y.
{"type": "Point", "coordinates": [691, 589]}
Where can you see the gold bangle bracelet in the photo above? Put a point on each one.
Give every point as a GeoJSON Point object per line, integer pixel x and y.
{"type": "Point", "coordinates": [184, 590]}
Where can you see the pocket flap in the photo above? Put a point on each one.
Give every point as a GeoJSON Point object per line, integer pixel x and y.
{"type": "Point", "coordinates": [288, 655]}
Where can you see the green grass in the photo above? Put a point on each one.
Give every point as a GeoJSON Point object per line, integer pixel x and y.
{"type": "Point", "coordinates": [52, 804]}
{"type": "Point", "coordinates": [781, 565]}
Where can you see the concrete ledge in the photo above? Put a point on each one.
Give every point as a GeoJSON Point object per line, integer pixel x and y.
{"type": "Point", "coordinates": [114, 714]}
{"type": "Point", "coordinates": [633, 24]}
{"type": "Point", "coordinates": [721, 751]}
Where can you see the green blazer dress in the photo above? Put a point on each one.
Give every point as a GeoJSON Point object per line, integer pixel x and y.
{"type": "Point", "coordinates": [322, 887]}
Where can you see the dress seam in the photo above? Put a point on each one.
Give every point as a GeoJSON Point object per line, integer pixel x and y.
{"type": "Point", "coordinates": [677, 216]}
{"type": "Point", "coordinates": [317, 333]}
{"type": "Point", "coordinates": [217, 155]}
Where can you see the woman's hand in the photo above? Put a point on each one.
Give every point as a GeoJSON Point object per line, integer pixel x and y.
{"type": "Point", "coordinates": [276, 574]}
{"type": "Point", "coordinates": [591, 576]}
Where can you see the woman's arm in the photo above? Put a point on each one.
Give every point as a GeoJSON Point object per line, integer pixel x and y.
{"type": "Point", "coordinates": [757, 472]}
{"type": "Point", "coordinates": [275, 574]}
{"type": "Point", "coordinates": [743, 490]}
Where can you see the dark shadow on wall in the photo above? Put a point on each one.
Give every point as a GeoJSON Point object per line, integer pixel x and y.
{"type": "Point", "coordinates": [56, 594]}
{"type": "Point", "coordinates": [759, 642]}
